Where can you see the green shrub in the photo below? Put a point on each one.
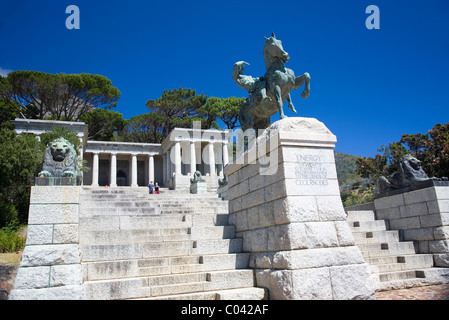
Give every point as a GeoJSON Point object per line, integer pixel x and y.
{"type": "Point", "coordinates": [11, 240]}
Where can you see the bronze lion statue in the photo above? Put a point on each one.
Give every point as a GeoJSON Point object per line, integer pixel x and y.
{"type": "Point", "coordinates": [197, 177]}
{"type": "Point", "coordinates": [410, 173]}
{"type": "Point", "coordinates": [60, 160]}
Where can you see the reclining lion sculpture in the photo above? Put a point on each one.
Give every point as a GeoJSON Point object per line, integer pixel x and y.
{"type": "Point", "coordinates": [410, 173]}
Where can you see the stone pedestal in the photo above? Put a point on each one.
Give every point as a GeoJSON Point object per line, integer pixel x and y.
{"type": "Point", "coordinates": [51, 266]}
{"type": "Point", "coordinates": [284, 201]}
{"type": "Point", "coordinates": [422, 216]}
{"type": "Point", "coordinates": [198, 187]}
{"type": "Point", "coordinates": [222, 192]}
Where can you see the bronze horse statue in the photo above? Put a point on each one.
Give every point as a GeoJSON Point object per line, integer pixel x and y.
{"type": "Point", "coordinates": [267, 94]}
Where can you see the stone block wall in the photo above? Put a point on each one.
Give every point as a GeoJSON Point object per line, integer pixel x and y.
{"type": "Point", "coordinates": [286, 206]}
{"type": "Point", "coordinates": [51, 267]}
{"type": "Point", "coordinates": [422, 216]}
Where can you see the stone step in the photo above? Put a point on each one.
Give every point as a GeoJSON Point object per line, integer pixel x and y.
{"type": "Point", "coordinates": [135, 251]}
{"type": "Point", "coordinates": [107, 270]}
{"type": "Point", "coordinates": [120, 208]}
{"type": "Point", "coordinates": [423, 277]}
{"type": "Point", "coordinates": [176, 201]}
{"type": "Point", "coordinates": [366, 226]}
{"type": "Point", "coordinates": [107, 252]}
{"type": "Point", "coordinates": [156, 286]}
{"type": "Point", "coordinates": [216, 232]}
{"type": "Point", "coordinates": [253, 293]}
{"type": "Point", "coordinates": [376, 236]}
{"type": "Point", "coordinates": [398, 275]}
{"type": "Point", "coordinates": [117, 222]}
{"type": "Point", "coordinates": [145, 195]}
{"type": "Point", "coordinates": [386, 249]}
{"type": "Point", "coordinates": [217, 280]}
{"type": "Point", "coordinates": [202, 247]}
{"type": "Point", "coordinates": [94, 237]}
{"type": "Point", "coordinates": [193, 204]}
{"type": "Point", "coordinates": [133, 236]}
{"type": "Point", "coordinates": [405, 262]}
{"type": "Point", "coordinates": [220, 219]}
{"type": "Point", "coordinates": [400, 284]}
{"type": "Point", "coordinates": [365, 215]}
{"type": "Point", "coordinates": [103, 223]}
{"type": "Point", "coordinates": [89, 212]}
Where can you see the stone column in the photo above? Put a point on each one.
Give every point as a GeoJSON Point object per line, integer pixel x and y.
{"type": "Point", "coordinates": [192, 158]}
{"type": "Point", "coordinates": [95, 169]}
{"type": "Point", "coordinates": [167, 166]}
{"type": "Point", "coordinates": [113, 183]}
{"type": "Point", "coordinates": [134, 170]}
{"type": "Point", "coordinates": [219, 160]}
{"type": "Point", "coordinates": [172, 162]}
{"type": "Point", "coordinates": [164, 171]}
{"type": "Point", "coordinates": [286, 206]}
{"type": "Point", "coordinates": [210, 147]}
{"type": "Point", "coordinates": [225, 154]}
{"type": "Point", "coordinates": [177, 158]}
{"type": "Point", "coordinates": [150, 169]}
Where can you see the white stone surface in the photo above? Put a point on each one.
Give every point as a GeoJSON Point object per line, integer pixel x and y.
{"type": "Point", "coordinates": [66, 275]}
{"type": "Point", "coordinates": [39, 234]}
{"type": "Point", "coordinates": [75, 292]}
{"type": "Point", "coordinates": [291, 217]}
{"type": "Point", "coordinates": [46, 255]}
{"type": "Point", "coordinates": [349, 283]}
{"type": "Point", "coordinates": [51, 194]}
{"type": "Point", "coordinates": [422, 215]}
{"type": "Point", "coordinates": [50, 268]}
{"type": "Point", "coordinates": [32, 278]}
{"type": "Point", "coordinates": [53, 213]}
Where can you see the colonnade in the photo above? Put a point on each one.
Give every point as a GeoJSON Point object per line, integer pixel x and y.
{"type": "Point", "coordinates": [113, 168]}
{"type": "Point", "coordinates": [214, 156]}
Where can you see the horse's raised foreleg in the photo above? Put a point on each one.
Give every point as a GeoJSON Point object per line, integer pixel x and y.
{"type": "Point", "coordinates": [299, 81]}
{"type": "Point", "coordinates": [278, 96]}
{"type": "Point", "coordinates": [290, 103]}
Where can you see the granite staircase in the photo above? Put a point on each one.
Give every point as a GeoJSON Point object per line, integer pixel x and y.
{"type": "Point", "coordinates": [394, 264]}
{"type": "Point", "coordinates": [167, 246]}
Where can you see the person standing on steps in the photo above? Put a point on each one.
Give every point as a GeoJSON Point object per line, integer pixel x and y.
{"type": "Point", "coordinates": [151, 187]}
{"type": "Point", "coordinates": [156, 189]}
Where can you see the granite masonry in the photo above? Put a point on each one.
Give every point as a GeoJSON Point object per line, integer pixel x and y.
{"type": "Point", "coordinates": [421, 216]}
{"type": "Point", "coordinates": [291, 218]}
{"type": "Point", "coordinates": [50, 268]}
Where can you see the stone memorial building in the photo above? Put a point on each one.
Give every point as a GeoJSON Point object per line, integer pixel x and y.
{"type": "Point", "coordinates": [171, 163]}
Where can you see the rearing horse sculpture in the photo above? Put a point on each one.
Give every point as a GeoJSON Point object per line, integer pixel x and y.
{"type": "Point", "coordinates": [267, 94]}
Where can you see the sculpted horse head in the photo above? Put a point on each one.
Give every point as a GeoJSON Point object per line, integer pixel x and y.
{"type": "Point", "coordinates": [273, 50]}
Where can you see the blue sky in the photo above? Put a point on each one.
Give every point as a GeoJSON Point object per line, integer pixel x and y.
{"type": "Point", "coordinates": [368, 86]}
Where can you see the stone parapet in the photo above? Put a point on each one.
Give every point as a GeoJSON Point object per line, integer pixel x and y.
{"type": "Point", "coordinates": [422, 216]}
{"type": "Point", "coordinates": [51, 265]}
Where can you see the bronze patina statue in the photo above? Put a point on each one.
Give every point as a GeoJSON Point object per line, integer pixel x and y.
{"type": "Point", "coordinates": [197, 177]}
{"type": "Point", "coordinates": [267, 94]}
{"type": "Point", "coordinates": [410, 174]}
{"type": "Point", "coordinates": [60, 160]}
